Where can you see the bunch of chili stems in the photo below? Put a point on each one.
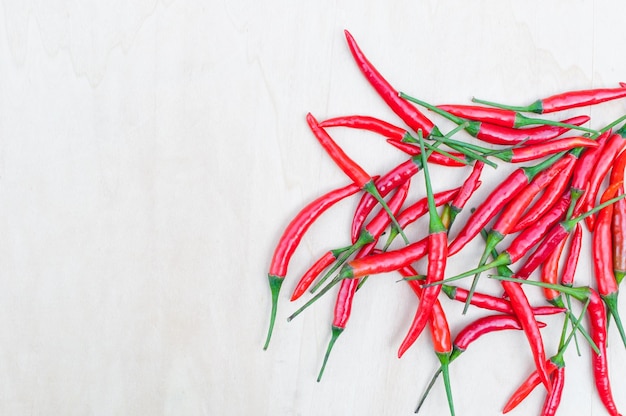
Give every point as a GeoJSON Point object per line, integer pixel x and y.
{"type": "Point", "coordinates": [569, 182]}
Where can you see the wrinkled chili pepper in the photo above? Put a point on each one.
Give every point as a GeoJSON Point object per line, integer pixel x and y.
{"type": "Point", "coordinates": [564, 101]}
{"type": "Point", "coordinates": [291, 238]}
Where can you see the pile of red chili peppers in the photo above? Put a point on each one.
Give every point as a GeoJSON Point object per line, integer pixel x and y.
{"type": "Point", "coordinates": [569, 182]}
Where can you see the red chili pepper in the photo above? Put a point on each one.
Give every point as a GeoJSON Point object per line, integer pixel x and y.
{"type": "Point", "coordinates": [538, 151]}
{"type": "Point", "coordinates": [506, 119]}
{"type": "Point", "coordinates": [372, 124]}
{"type": "Point", "coordinates": [291, 238]}
{"type": "Point", "coordinates": [550, 274]}
{"type": "Point", "coordinates": [602, 252]}
{"type": "Point", "coordinates": [551, 195]}
{"type": "Point", "coordinates": [439, 333]}
{"type": "Point", "coordinates": [523, 312]}
{"type": "Point", "coordinates": [526, 388]}
{"type": "Point", "coordinates": [311, 274]}
{"type": "Point", "coordinates": [618, 225]}
{"type": "Point", "coordinates": [349, 167]}
{"type": "Point", "coordinates": [498, 198]}
{"type": "Point", "coordinates": [407, 112]}
{"type": "Point", "coordinates": [437, 259]}
{"type": "Point", "coordinates": [569, 269]}
{"type": "Point", "coordinates": [493, 303]}
{"type": "Point", "coordinates": [551, 404]}
{"type": "Point", "coordinates": [467, 190]}
{"type": "Point", "coordinates": [564, 101]}
{"type": "Point", "coordinates": [488, 131]}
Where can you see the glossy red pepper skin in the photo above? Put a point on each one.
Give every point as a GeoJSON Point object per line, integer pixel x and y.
{"type": "Point", "coordinates": [436, 158]}
{"type": "Point", "coordinates": [569, 269]}
{"type": "Point", "coordinates": [311, 274]}
{"type": "Point", "coordinates": [388, 261]}
{"type": "Point", "coordinates": [506, 119]}
{"type": "Point", "coordinates": [291, 238]}
{"type": "Point", "coordinates": [493, 303]}
{"type": "Point", "coordinates": [406, 111]}
{"type": "Point", "coordinates": [526, 388]}
{"type": "Point", "coordinates": [550, 274]}
{"type": "Point", "coordinates": [372, 124]}
{"type": "Point", "coordinates": [467, 189]}
{"type": "Point", "coordinates": [553, 400]}
{"type": "Point", "coordinates": [523, 312]}
{"type": "Point", "coordinates": [481, 326]}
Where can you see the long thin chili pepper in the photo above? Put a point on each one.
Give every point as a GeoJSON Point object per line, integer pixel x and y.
{"type": "Point", "coordinates": [569, 269]}
{"type": "Point", "coordinates": [502, 118]}
{"type": "Point", "coordinates": [540, 150]}
{"type": "Point", "coordinates": [493, 303]}
{"type": "Point", "coordinates": [407, 112]}
{"type": "Point", "coordinates": [291, 238]}
{"type": "Point", "coordinates": [482, 130]}
{"type": "Point", "coordinates": [467, 190]}
{"type": "Point", "coordinates": [316, 268]}
{"type": "Point", "coordinates": [618, 225]}
{"type": "Point", "coordinates": [349, 167]}
{"type": "Point", "coordinates": [602, 252]}
{"type": "Point", "coordinates": [550, 274]}
{"type": "Point", "coordinates": [393, 133]}
{"type": "Point", "coordinates": [496, 200]}
{"type": "Point", "coordinates": [551, 195]}
{"type": "Point", "coordinates": [439, 332]}
{"type": "Point", "coordinates": [564, 101]}
{"type": "Point", "coordinates": [437, 259]}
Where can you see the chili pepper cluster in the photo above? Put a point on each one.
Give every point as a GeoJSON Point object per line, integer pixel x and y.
{"type": "Point", "coordinates": [573, 185]}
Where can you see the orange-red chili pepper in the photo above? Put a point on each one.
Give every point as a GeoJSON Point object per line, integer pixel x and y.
{"type": "Point", "coordinates": [537, 151]}
{"type": "Point", "coordinates": [618, 225]}
{"type": "Point", "coordinates": [453, 159]}
{"type": "Point", "coordinates": [467, 190]}
{"type": "Point", "coordinates": [569, 269]}
{"type": "Point", "coordinates": [550, 274]}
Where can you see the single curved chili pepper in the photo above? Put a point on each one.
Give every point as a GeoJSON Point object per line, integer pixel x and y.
{"type": "Point", "coordinates": [551, 404]}
{"type": "Point", "coordinates": [311, 274]}
{"type": "Point", "coordinates": [496, 200]}
{"type": "Point", "coordinates": [569, 269]}
{"type": "Point", "coordinates": [348, 166]}
{"type": "Point", "coordinates": [437, 260]}
{"type": "Point", "coordinates": [372, 124]}
{"type": "Point", "coordinates": [540, 150]}
{"type": "Point", "coordinates": [439, 333]}
{"type": "Point", "coordinates": [563, 101]}
{"type": "Point", "coordinates": [493, 303]}
{"type": "Point", "coordinates": [407, 112]}
{"type": "Point", "coordinates": [467, 190]}
{"type": "Point", "coordinates": [291, 238]}
{"type": "Point", "coordinates": [602, 252]}
{"type": "Point", "coordinates": [486, 131]}
{"type": "Point", "coordinates": [551, 195]}
{"type": "Point", "coordinates": [502, 118]}
{"type": "Point", "coordinates": [608, 153]}
{"type": "Point", "coordinates": [550, 274]}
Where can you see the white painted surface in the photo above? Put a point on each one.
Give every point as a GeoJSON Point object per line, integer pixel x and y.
{"type": "Point", "coordinates": [152, 152]}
